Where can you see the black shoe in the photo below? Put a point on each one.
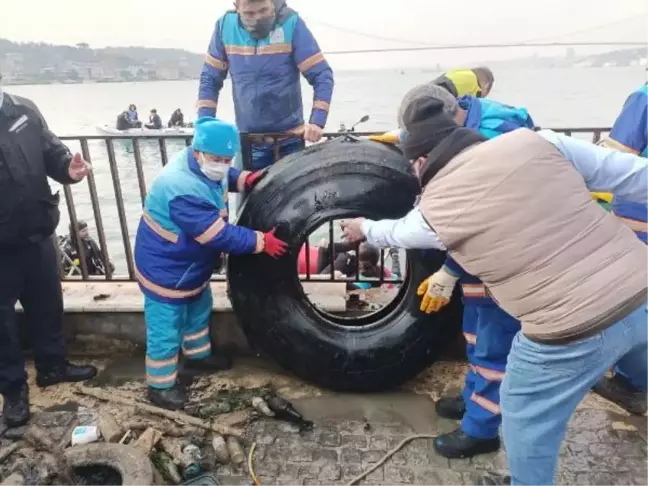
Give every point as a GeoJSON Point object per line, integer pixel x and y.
{"type": "Point", "coordinates": [494, 479]}
{"type": "Point", "coordinates": [451, 408]}
{"type": "Point", "coordinates": [16, 407]}
{"type": "Point", "coordinates": [215, 362]}
{"type": "Point", "coordinates": [65, 373]}
{"type": "Point", "coordinates": [620, 391]}
{"type": "Point", "coordinates": [458, 444]}
{"type": "Point", "coordinates": [173, 398]}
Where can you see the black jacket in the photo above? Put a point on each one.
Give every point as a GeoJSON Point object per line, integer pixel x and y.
{"type": "Point", "coordinates": [29, 153]}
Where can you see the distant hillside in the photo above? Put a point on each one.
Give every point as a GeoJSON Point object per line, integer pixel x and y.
{"type": "Point", "coordinates": [40, 62]}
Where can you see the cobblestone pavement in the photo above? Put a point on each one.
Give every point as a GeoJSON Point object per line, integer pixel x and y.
{"type": "Point", "coordinates": [600, 448]}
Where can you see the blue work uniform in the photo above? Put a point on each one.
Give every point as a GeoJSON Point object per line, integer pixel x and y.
{"type": "Point", "coordinates": [180, 240]}
{"type": "Point", "coordinates": [630, 134]}
{"type": "Point", "coordinates": [489, 330]}
{"type": "Point", "coordinates": [266, 80]}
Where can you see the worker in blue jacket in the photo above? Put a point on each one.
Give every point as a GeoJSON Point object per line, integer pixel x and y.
{"type": "Point", "coordinates": [629, 134]}
{"type": "Point", "coordinates": [265, 45]}
{"type": "Point", "coordinates": [181, 238]}
{"type": "Point", "coordinates": [488, 330]}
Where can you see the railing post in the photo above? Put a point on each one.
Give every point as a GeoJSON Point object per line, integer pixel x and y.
{"type": "Point", "coordinates": [120, 207]}
{"type": "Point", "coordinates": [140, 172]}
{"type": "Point", "coordinates": [69, 202]}
{"type": "Point", "coordinates": [163, 153]}
{"type": "Point", "coordinates": [92, 187]}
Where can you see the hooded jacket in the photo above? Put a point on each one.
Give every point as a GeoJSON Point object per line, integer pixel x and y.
{"type": "Point", "coordinates": [266, 73]}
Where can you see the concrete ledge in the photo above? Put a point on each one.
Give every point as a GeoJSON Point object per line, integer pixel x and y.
{"type": "Point", "coordinates": [105, 312]}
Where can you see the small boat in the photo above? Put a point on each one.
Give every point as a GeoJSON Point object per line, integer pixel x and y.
{"type": "Point", "coordinates": [145, 132]}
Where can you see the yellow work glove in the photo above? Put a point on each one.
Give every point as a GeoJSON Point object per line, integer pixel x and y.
{"type": "Point", "coordinates": [436, 290]}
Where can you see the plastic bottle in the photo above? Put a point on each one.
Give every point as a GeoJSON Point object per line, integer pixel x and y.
{"type": "Point", "coordinates": [85, 434]}
{"type": "Point", "coordinates": [191, 461]}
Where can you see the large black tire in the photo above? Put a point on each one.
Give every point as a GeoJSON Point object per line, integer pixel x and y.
{"type": "Point", "coordinates": [334, 180]}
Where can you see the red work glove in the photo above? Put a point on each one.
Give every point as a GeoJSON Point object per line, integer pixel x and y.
{"type": "Point", "coordinates": [254, 178]}
{"type": "Point", "coordinates": [273, 246]}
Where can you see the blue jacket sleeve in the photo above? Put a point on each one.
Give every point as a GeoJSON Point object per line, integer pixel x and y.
{"type": "Point", "coordinates": [604, 170]}
{"type": "Point", "coordinates": [315, 69]}
{"type": "Point", "coordinates": [454, 267]}
{"type": "Point", "coordinates": [236, 179]}
{"type": "Point", "coordinates": [201, 220]}
{"type": "Point", "coordinates": [630, 130]}
{"type": "Point", "coordinates": [213, 74]}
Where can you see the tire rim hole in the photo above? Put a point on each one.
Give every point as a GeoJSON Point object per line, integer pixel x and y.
{"type": "Point", "coordinates": [350, 300]}
{"type": "Point", "coordinates": [96, 474]}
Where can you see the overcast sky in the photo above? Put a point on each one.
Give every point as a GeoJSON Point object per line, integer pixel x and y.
{"type": "Point", "coordinates": [188, 24]}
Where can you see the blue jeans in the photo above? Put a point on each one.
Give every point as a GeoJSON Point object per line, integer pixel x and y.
{"type": "Point", "coordinates": [545, 382]}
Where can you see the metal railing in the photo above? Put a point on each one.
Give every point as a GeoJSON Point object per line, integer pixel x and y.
{"type": "Point", "coordinates": [131, 160]}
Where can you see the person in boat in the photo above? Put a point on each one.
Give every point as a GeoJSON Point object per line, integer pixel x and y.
{"type": "Point", "coordinates": [488, 329]}
{"type": "Point", "coordinates": [264, 45]}
{"type": "Point", "coordinates": [155, 122]}
{"type": "Point", "coordinates": [94, 256]}
{"type": "Point", "coordinates": [177, 119]}
{"type": "Point", "coordinates": [122, 122]}
{"type": "Point", "coordinates": [515, 211]}
{"type": "Point", "coordinates": [29, 264]}
{"type": "Point", "coordinates": [132, 117]}
{"type": "Point", "coordinates": [629, 134]}
{"type": "Point", "coordinates": [180, 239]}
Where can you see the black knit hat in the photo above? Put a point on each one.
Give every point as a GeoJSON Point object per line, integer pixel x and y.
{"type": "Point", "coordinates": [427, 125]}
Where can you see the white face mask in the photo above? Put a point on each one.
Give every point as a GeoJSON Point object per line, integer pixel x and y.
{"type": "Point", "coordinates": [215, 171]}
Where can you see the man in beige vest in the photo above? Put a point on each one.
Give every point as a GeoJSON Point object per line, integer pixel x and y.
{"type": "Point", "coordinates": [516, 212]}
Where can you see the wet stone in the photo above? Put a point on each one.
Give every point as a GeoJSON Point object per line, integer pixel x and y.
{"type": "Point", "coordinates": [309, 471]}
{"type": "Point", "coordinates": [288, 471]}
{"type": "Point", "coordinates": [378, 442]}
{"type": "Point", "coordinates": [324, 456]}
{"type": "Point", "coordinates": [357, 441]}
{"type": "Point", "coordinates": [350, 456]}
{"type": "Point", "coordinates": [330, 472]}
{"type": "Point", "coordinates": [371, 457]}
{"type": "Point", "coordinates": [330, 439]}
{"type": "Point", "coordinates": [439, 476]}
{"type": "Point", "coordinates": [351, 471]}
{"type": "Point", "coordinates": [399, 475]}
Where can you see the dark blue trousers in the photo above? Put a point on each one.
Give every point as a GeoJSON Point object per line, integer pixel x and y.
{"type": "Point", "coordinates": [30, 274]}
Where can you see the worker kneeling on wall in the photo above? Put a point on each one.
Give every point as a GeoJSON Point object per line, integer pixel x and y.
{"type": "Point", "coordinates": [181, 237]}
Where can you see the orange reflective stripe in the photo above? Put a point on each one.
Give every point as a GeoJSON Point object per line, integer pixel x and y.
{"type": "Point", "coordinates": [197, 335]}
{"type": "Point", "coordinates": [200, 350]}
{"type": "Point", "coordinates": [162, 380]}
{"type": "Point", "coordinates": [311, 61]}
{"type": "Point", "coordinates": [470, 338]}
{"type": "Point", "coordinates": [613, 144]}
{"type": "Point", "coordinates": [211, 232]}
{"type": "Point", "coordinates": [489, 373]}
{"type": "Point", "coordinates": [239, 50]}
{"type": "Point", "coordinates": [240, 182]}
{"type": "Point", "coordinates": [216, 63]}
{"type": "Point", "coordinates": [275, 49]}
{"type": "Point", "coordinates": [474, 290]}
{"type": "Point", "coordinates": [169, 293]}
{"type": "Point", "coordinates": [486, 404]}
{"type": "Point", "coordinates": [161, 363]}
{"type": "Point", "coordinates": [159, 230]}
{"type": "Point", "coordinates": [634, 224]}
{"type": "Point", "coordinates": [321, 105]}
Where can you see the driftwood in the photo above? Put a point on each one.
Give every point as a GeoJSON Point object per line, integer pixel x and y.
{"type": "Point", "coordinates": [146, 442]}
{"type": "Point", "coordinates": [179, 417]}
{"type": "Point", "coordinates": [7, 451]}
{"type": "Point", "coordinates": [168, 430]}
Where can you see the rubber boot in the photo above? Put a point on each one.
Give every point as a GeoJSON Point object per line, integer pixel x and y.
{"type": "Point", "coordinates": [65, 373]}
{"type": "Point", "coordinates": [458, 444]}
{"type": "Point", "coordinates": [174, 398]}
{"type": "Point", "coordinates": [215, 362]}
{"type": "Point", "coordinates": [16, 407]}
{"type": "Point", "coordinates": [494, 479]}
{"type": "Point", "coordinates": [620, 391]}
{"type": "Point", "coordinates": [451, 407]}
